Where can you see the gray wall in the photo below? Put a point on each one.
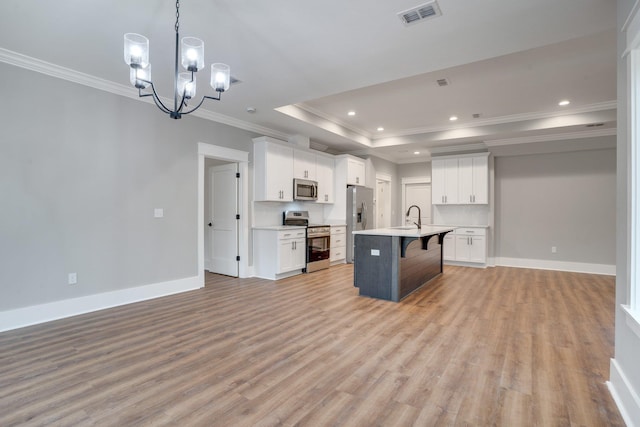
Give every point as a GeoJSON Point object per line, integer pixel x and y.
{"type": "Point", "coordinates": [81, 171]}
{"type": "Point", "coordinates": [627, 344]}
{"type": "Point", "coordinates": [413, 170]}
{"type": "Point", "coordinates": [565, 200]}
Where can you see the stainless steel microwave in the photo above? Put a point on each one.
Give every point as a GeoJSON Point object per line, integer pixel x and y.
{"type": "Point", "coordinates": [304, 189]}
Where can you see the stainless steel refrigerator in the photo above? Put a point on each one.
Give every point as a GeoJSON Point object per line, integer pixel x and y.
{"type": "Point", "coordinates": [359, 214]}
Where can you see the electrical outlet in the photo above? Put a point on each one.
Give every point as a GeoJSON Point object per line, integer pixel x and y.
{"type": "Point", "coordinates": [73, 278]}
{"type": "Point", "coordinates": [158, 213]}
{"type": "Point", "coordinates": [554, 249]}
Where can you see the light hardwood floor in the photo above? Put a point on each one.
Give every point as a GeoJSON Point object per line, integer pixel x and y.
{"type": "Point", "coordinates": [505, 347]}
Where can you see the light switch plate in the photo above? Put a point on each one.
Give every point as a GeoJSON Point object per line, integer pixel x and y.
{"type": "Point", "coordinates": [72, 278]}
{"type": "Point", "coordinates": [158, 213]}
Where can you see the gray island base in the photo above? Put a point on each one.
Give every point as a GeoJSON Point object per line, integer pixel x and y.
{"type": "Point", "coordinates": [391, 263]}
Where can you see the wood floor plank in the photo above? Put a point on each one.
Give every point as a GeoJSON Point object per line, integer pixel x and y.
{"type": "Point", "coordinates": [500, 346]}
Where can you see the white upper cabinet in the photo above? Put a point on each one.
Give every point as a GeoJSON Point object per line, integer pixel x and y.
{"type": "Point", "coordinates": [355, 172]}
{"type": "Point", "coordinates": [304, 165]}
{"type": "Point", "coordinates": [444, 181]}
{"type": "Point", "coordinates": [462, 180]}
{"type": "Point", "coordinates": [325, 178]}
{"type": "Point", "coordinates": [473, 173]}
{"type": "Point", "coordinates": [273, 171]}
{"type": "Point", "coordinates": [277, 164]}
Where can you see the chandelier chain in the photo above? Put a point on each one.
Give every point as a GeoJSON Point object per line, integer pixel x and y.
{"type": "Point", "coordinates": [177, 15]}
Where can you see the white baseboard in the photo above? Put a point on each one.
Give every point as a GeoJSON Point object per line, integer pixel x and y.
{"type": "Point", "coordinates": [32, 315]}
{"type": "Point", "coordinates": [541, 264]}
{"type": "Point", "coordinates": [624, 395]}
{"type": "Point", "coordinates": [464, 264]}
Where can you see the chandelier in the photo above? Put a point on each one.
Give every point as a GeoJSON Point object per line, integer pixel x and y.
{"type": "Point", "coordinates": [136, 55]}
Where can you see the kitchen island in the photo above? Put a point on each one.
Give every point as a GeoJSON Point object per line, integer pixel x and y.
{"type": "Point", "coordinates": [390, 263]}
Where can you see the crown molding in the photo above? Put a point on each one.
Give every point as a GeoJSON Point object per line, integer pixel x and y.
{"type": "Point", "coordinates": [23, 61]}
{"type": "Point", "coordinates": [551, 137]}
{"type": "Point", "coordinates": [513, 118]}
{"type": "Point", "coordinates": [631, 16]}
{"type": "Point", "coordinates": [480, 146]}
{"type": "Point", "coordinates": [335, 120]}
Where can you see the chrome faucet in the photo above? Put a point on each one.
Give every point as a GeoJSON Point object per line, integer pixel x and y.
{"type": "Point", "coordinates": [419, 223]}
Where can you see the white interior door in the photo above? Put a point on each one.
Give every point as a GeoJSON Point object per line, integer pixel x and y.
{"type": "Point", "coordinates": [417, 194]}
{"type": "Point", "coordinates": [222, 223]}
{"type": "Point", "coordinates": [383, 203]}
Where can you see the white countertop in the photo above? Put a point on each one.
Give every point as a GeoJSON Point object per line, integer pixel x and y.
{"type": "Point", "coordinates": [406, 231]}
{"type": "Point", "coordinates": [279, 227]}
{"type": "Point", "coordinates": [460, 225]}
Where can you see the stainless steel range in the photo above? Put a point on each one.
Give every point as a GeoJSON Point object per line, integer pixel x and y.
{"type": "Point", "coordinates": [318, 239]}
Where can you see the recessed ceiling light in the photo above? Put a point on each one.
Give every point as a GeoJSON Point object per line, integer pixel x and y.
{"type": "Point", "coordinates": [564, 102]}
{"type": "Point", "coordinates": [380, 129]}
{"type": "Point", "coordinates": [453, 118]}
{"type": "Point", "coordinates": [416, 152]}
{"type": "Point", "coordinates": [351, 113]}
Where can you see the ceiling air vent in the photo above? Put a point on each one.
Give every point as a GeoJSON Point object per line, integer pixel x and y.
{"type": "Point", "coordinates": [420, 13]}
{"type": "Point", "coordinates": [442, 82]}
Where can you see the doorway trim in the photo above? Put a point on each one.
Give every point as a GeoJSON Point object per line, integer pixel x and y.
{"type": "Point", "coordinates": [386, 178]}
{"type": "Point", "coordinates": [403, 188]}
{"type": "Point", "coordinates": [414, 180]}
{"type": "Point", "coordinates": [235, 156]}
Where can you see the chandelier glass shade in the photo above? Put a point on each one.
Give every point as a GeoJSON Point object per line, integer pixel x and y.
{"type": "Point", "coordinates": [190, 53]}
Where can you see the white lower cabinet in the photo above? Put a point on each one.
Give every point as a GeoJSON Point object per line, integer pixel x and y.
{"type": "Point", "coordinates": [466, 244]}
{"type": "Point", "coordinates": [338, 252]}
{"type": "Point", "coordinates": [449, 247]}
{"type": "Point", "coordinates": [279, 253]}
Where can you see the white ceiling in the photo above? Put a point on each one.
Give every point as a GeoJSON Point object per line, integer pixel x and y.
{"type": "Point", "coordinates": [303, 65]}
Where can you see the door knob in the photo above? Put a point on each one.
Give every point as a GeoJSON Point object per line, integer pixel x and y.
{"type": "Point", "coordinates": [210, 224]}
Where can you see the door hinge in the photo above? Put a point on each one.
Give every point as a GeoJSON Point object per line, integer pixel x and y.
{"type": "Point", "coordinates": [237, 216]}
{"type": "Point", "coordinates": [238, 258]}
{"type": "Point", "coordinates": [237, 174]}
